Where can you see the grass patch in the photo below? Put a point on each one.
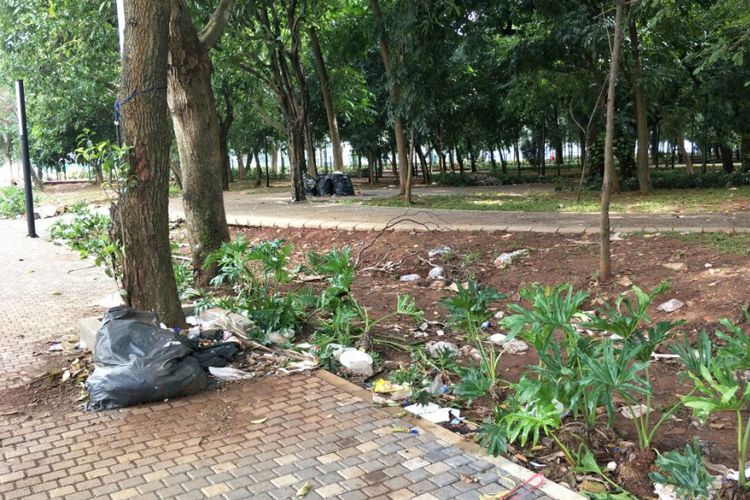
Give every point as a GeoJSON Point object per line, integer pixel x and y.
{"type": "Point", "coordinates": [737, 244]}
{"type": "Point", "coordinates": [665, 201]}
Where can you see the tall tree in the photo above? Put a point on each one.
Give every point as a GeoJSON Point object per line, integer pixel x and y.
{"type": "Point", "coordinates": [394, 92]}
{"type": "Point", "coordinates": [641, 120]}
{"type": "Point", "coordinates": [326, 91]}
{"type": "Point", "coordinates": [140, 218]}
{"type": "Point", "coordinates": [196, 129]}
{"type": "Point", "coordinates": [605, 255]}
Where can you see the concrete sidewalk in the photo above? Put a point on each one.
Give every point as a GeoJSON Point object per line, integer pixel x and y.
{"type": "Point", "coordinates": [308, 428]}
{"type": "Point", "coordinates": [274, 210]}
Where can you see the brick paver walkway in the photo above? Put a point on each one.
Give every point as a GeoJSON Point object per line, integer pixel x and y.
{"type": "Point", "coordinates": [317, 428]}
{"type": "Point", "coordinates": [44, 290]}
{"type": "Point", "coordinates": [274, 210]}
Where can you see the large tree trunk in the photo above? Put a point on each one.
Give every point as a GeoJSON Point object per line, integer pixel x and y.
{"type": "Point", "coordinates": [140, 218]}
{"type": "Point", "coordinates": [196, 128]}
{"type": "Point", "coordinates": [641, 121]}
{"type": "Point", "coordinates": [605, 255]}
{"type": "Point", "coordinates": [394, 91]}
{"type": "Point", "coordinates": [325, 89]}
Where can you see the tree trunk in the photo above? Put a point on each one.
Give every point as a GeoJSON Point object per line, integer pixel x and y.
{"type": "Point", "coordinates": [605, 256]}
{"type": "Point", "coordinates": [196, 128]}
{"type": "Point", "coordinates": [727, 159]}
{"type": "Point", "coordinates": [493, 163]}
{"type": "Point", "coordinates": [679, 139]}
{"type": "Point", "coordinates": [641, 120]}
{"type": "Point", "coordinates": [241, 165]}
{"type": "Point", "coordinates": [460, 160]}
{"type": "Point", "coordinates": [325, 89]}
{"type": "Point", "coordinates": [224, 126]}
{"type": "Point", "coordinates": [423, 162]}
{"type": "Point", "coordinates": [274, 159]}
{"type": "Point", "coordinates": [140, 218]}
{"type": "Point", "coordinates": [394, 94]}
{"type": "Point", "coordinates": [745, 152]}
{"type": "Point", "coordinates": [258, 170]}
{"type": "Point", "coordinates": [472, 160]}
{"type": "Point", "coordinates": [268, 178]}
{"type": "Point", "coordinates": [503, 161]}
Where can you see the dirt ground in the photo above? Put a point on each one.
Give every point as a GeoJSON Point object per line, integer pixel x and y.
{"type": "Point", "coordinates": [714, 286]}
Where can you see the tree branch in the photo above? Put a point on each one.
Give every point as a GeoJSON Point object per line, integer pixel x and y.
{"type": "Point", "coordinates": [213, 29]}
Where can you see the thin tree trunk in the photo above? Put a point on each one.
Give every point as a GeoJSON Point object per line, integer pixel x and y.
{"type": "Point", "coordinates": [258, 170]}
{"type": "Point", "coordinates": [493, 163]}
{"type": "Point", "coordinates": [325, 89]}
{"type": "Point", "coordinates": [196, 128]}
{"type": "Point", "coordinates": [639, 97]}
{"type": "Point", "coordinates": [224, 126]}
{"type": "Point", "coordinates": [394, 94]}
{"type": "Point", "coordinates": [460, 160]}
{"type": "Point", "coordinates": [140, 218]}
{"type": "Point", "coordinates": [241, 165]}
{"type": "Point", "coordinates": [727, 159]}
{"type": "Point", "coordinates": [605, 256]}
{"type": "Point", "coordinates": [472, 160]}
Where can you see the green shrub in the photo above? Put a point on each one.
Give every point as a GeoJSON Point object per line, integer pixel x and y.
{"type": "Point", "coordinates": [685, 471]}
{"type": "Point", "coordinates": [12, 202]}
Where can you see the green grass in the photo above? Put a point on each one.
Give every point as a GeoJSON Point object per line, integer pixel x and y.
{"type": "Point", "coordinates": [664, 201]}
{"type": "Point", "coordinates": [737, 244]}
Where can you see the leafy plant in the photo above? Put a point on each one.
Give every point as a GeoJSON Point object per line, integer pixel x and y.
{"type": "Point", "coordinates": [685, 471]}
{"type": "Point", "coordinates": [492, 437]}
{"type": "Point", "coordinates": [467, 310]}
{"type": "Point", "coordinates": [12, 202]}
{"type": "Point", "coordinates": [720, 384]}
{"type": "Point", "coordinates": [474, 383]}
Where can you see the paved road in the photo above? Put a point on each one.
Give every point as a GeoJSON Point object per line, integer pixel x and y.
{"type": "Point", "coordinates": [274, 210]}
{"type": "Point", "coordinates": [318, 428]}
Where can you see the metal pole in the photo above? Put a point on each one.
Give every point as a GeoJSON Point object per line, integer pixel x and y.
{"type": "Point", "coordinates": [21, 102]}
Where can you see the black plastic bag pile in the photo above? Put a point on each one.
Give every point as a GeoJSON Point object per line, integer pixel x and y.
{"type": "Point", "coordinates": [336, 183]}
{"type": "Point", "coordinates": [137, 361]}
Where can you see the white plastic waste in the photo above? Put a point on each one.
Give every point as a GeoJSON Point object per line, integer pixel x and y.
{"type": "Point", "coordinates": [229, 374]}
{"type": "Point", "coordinates": [356, 361]}
{"type": "Point", "coordinates": [433, 413]}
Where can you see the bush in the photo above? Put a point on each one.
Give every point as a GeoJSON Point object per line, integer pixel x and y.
{"type": "Point", "coordinates": [12, 202]}
{"type": "Point", "coordinates": [679, 179]}
{"type": "Point", "coordinates": [453, 179]}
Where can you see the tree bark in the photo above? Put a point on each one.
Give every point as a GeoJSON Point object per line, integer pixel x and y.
{"type": "Point", "coordinates": [605, 255]}
{"type": "Point", "coordinates": [641, 121]}
{"type": "Point", "coordinates": [258, 170]}
{"type": "Point", "coordinates": [196, 127]}
{"type": "Point", "coordinates": [325, 90]}
{"type": "Point", "coordinates": [241, 165]}
{"type": "Point", "coordinates": [394, 94]}
{"type": "Point", "coordinates": [727, 159]}
{"type": "Point", "coordinates": [224, 125]}
{"type": "Point", "coordinates": [140, 217]}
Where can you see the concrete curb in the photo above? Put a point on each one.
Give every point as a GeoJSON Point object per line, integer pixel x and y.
{"type": "Point", "coordinates": [515, 471]}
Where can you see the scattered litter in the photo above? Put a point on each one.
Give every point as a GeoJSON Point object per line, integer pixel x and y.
{"type": "Point", "coordinates": [708, 265]}
{"type": "Point", "coordinates": [229, 374]}
{"type": "Point", "coordinates": [436, 273]}
{"type": "Point", "coordinates": [439, 251]}
{"type": "Point", "coordinates": [594, 487]}
{"type": "Point", "coordinates": [410, 277]}
{"type": "Point", "coordinates": [670, 306]}
{"type": "Point", "coordinates": [675, 266]}
{"type": "Point", "coordinates": [55, 347]}
{"type": "Point", "coordinates": [434, 347]}
{"type": "Point", "coordinates": [280, 337]}
{"type": "Point", "coordinates": [438, 386]}
{"type": "Point", "coordinates": [453, 287]}
{"type": "Point", "coordinates": [384, 392]}
{"type": "Point", "coordinates": [506, 258]}
{"type": "Point", "coordinates": [468, 351]}
{"type": "Point", "coordinates": [631, 412]}
{"type": "Point", "coordinates": [259, 421]}
{"type": "Point", "coordinates": [487, 324]}
{"type": "Point", "coordinates": [109, 300]}
{"type": "Point", "coordinates": [625, 282]}
{"type": "Point", "coordinates": [510, 346]}
{"type": "Point", "coordinates": [657, 356]}
{"type": "Point", "coordinates": [499, 315]}
{"type": "Point", "coordinates": [356, 361]}
{"type": "Point", "coordinates": [440, 333]}
{"type": "Point", "coordinates": [616, 237]}
{"type": "Point", "coordinates": [611, 466]}
{"type": "Point", "coordinates": [220, 319]}
{"type": "Point", "coordinates": [665, 491]}
{"type": "Point", "coordinates": [433, 413]}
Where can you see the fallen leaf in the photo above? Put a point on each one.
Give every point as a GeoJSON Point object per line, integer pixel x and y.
{"type": "Point", "coordinates": [304, 489]}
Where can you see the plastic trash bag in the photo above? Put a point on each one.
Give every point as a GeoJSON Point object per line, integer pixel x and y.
{"type": "Point", "coordinates": [137, 362]}
{"type": "Point", "coordinates": [342, 184]}
{"type": "Point", "coordinates": [325, 185]}
{"type": "Point", "coordinates": [310, 183]}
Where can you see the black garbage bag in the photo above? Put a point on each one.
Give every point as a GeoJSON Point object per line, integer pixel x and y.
{"type": "Point", "coordinates": [137, 362]}
{"type": "Point", "coordinates": [342, 184]}
{"type": "Point", "coordinates": [311, 185]}
{"type": "Point", "coordinates": [218, 355]}
{"type": "Point", "coordinates": [325, 185]}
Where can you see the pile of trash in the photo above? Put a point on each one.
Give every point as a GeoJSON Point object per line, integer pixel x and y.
{"type": "Point", "coordinates": [137, 360]}
{"type": "Point", "coordinates": [337, 183]}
